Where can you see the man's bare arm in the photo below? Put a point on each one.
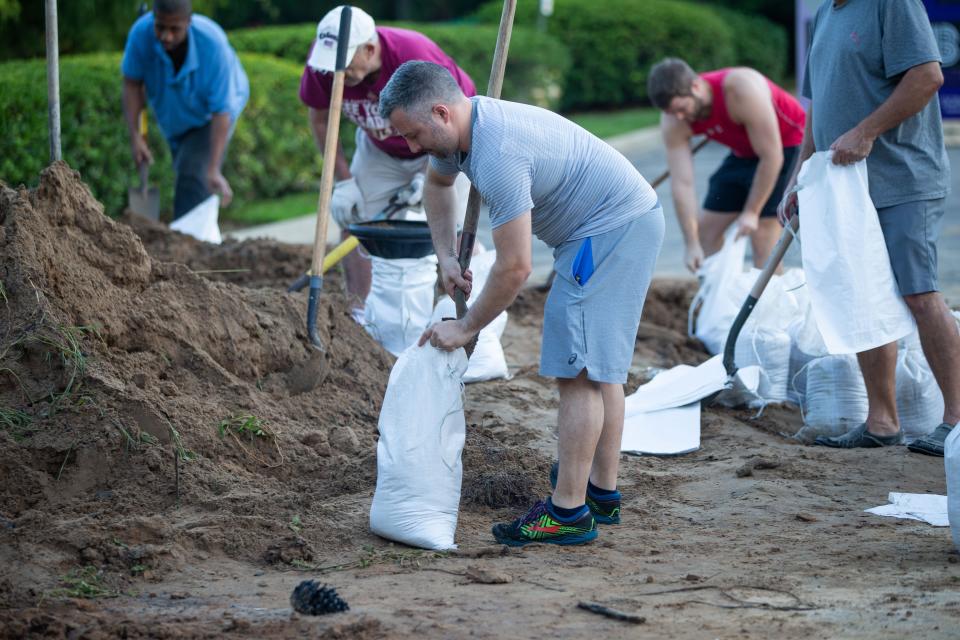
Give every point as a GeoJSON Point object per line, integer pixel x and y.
{"type": "Point", "coordinates": [318, 125]}
{"type": "Point", "coordinates": [916, 88]}
{"type": "Point", "coordinates": [676, 137]}
{"type": "Point", "coordinates": [440, 205]}
{"type": "Point", "coordinates": [510, 270]}
{"type": "Point", "coordinates": [751, 104]}
{"type": "Point", "coordinates": [134, 101]}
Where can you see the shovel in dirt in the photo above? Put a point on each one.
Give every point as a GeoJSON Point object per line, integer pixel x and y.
{"type": "Point", "coordinates": [326, 180]}
{"type": "Point", "coordinates": [776, 256]}
{"type": "Point", "coordinates": [468, 236]}
{"type": "Point", "coordinates": [144, 200]}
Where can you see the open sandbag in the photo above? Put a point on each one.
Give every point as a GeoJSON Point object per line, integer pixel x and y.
{"type": "Point", "coordinates": [400, 302]}
{"type": "Point", "coordinates": [853, 294]}
{"type": "Point", "coordinates": [487, 361]}
{"type": "Point", "coordinates": [422, 431]}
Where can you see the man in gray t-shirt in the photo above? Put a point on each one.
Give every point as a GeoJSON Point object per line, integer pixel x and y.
{"type": "Point", "coordinates": [540, 173]}
{"type": "Point", "coordinates": [872, 75]}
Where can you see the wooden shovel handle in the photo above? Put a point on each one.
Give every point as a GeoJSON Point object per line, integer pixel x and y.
{"type": "Point", "coordinates": [330, 145]}
{"type": "Point", "coordinates": [494, 86]}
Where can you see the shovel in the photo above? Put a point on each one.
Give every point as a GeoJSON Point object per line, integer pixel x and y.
{"type": "Point", "coordinates": [144, 200]}
{"type": "Point", "coordinates": [468, 236]}
{"type": "Point", "coordinates": [326, 180]}
{"type": "Point", "coordinates": [776, 256]}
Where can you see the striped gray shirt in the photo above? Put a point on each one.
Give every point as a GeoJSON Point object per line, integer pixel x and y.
{"type": "Point", "coordinates": [524, 158]}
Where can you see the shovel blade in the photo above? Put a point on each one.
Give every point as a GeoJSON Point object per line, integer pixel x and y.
{"type": "Point", "coordinates": [144, 202]}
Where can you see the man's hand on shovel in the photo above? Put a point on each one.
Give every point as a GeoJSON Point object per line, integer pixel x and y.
{"type": "Point", "coordinates": [452, 278]}
{"type": "Point", "coordinates": [789, 206]}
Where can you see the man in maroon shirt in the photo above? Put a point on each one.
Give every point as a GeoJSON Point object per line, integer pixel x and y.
{"type": "Point", "coordinates": [761, 124]}
{"type": "Point", "coordinates": [383, 163]}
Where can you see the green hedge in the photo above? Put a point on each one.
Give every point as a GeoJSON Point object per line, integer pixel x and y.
{"type": "Point", "coordinates": [613, 48]}
{"type": "Point", "coordinates": [536, 63]}
{"type": "Point", "coordinates": [271, 153]}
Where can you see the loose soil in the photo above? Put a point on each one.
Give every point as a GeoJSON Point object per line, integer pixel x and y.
{"type": "Point", "coordinates": [176, 458]}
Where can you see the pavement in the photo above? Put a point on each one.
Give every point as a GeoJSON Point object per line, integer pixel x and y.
{"type": "Point", "coordinates": [644, 149]}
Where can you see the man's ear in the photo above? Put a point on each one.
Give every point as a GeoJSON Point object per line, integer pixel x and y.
{"type": "Point", "coordinates": [442, 111]}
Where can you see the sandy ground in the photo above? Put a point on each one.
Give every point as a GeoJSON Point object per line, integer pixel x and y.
{"type": "Point", "coordinates": [754, 535]}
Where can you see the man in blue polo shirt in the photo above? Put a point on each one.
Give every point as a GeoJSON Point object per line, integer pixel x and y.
{"type": "Point", "coordinates": [197, 88]}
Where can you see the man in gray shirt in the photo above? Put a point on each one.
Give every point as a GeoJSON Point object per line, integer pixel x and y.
{"type": "Point", "coordinates": [540, 173]}
{"type": "Point", "coordinates": [872, 75]}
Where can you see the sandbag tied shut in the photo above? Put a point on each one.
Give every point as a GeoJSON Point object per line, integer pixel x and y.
{"type": "Point", "coordinates": [422, 431]}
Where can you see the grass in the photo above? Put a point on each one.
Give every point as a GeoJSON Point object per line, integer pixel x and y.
{"type": "Point", "coordinates": [606, 124]}
{"type": "Point", "coordinates": [16, 422]}
{"type": "Point", "coordinates": [249, 426]}
{"type": "Point", "coordinates": [267, 211]}
{"type": "Point", "coordinates": [84, 583]}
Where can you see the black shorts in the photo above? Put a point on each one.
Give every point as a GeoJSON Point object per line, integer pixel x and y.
{"type": "Point", "coordinates": [730, 184]}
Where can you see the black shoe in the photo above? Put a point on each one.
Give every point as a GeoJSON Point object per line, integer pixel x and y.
{"type": "Point", "coordinates": [605, 511]}
{"type": "Point", "coordinates": [932, 443]}
{"type": "Point", "coordinates": [860, 437]}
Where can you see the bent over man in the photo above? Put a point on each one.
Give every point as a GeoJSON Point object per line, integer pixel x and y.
{"type": "Point", "coordinates": [761, 124]}
{"type": "Point", "coordinates": [541, 174]}
{"type": "Point", "coordinates": [382, 164]}
{"type": "Point", "coordinates": [197, 88]}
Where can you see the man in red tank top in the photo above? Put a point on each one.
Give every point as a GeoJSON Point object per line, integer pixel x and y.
{"type": "Point", "coordinates": [763, 126]}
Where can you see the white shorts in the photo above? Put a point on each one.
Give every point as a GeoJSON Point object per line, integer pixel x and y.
{"type": "Point", "coordinates": [379, 176]}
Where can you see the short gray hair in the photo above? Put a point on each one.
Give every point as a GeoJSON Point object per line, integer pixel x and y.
{"type": "Point", "coordinates": [670, 78]}
{"type": "Point", "coordinates": [173, 7]}
{"type": "Point", "coordinates": [415, 84]}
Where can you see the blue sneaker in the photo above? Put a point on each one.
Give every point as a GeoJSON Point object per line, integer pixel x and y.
{"type": "Point", "coordinates": [606, 511]}
{"type": "Point", "coordinates": [540, 525]}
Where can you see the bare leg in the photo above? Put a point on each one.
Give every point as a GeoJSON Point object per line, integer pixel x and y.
{"type": "Point", "coordinates": [763, 240]}
{"type": "Point", "coordinates": [941, 346]}
{"type": "Point", "coordinates": [606, 459]}
{"type": "Point", "coordinates": [580, 423]}
{"type": "Point", "coordinates": [358, 274]}
{"type": "Point", "coordinates": [879, 369]}
{"type": "Point", "coordinates": [712, 225]}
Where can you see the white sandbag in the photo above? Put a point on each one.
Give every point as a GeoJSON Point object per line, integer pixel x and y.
{"type": "Point", "coordinates": [488, 361]}
{"type": "Point", "coordinates": [855, 299]}
{"type": "Point", "coordinates": [400, 302]}
{"type": "Point", "coordinates": [422, 431]}
{"type": "Point", "coordinates": [797, 375]}
{"type": "Point", "coordinates": [951, 464]}
{"type": "Point", "coordinates": [836, 397]}
{"type": "Point", "coordinates": [770, 350]}
{"type": "Point", "coordinates": [919, 401]}
{"type": "Point", "coordinates": [715, 305]}
{"type": "Point", "coordinates": [201, 221]}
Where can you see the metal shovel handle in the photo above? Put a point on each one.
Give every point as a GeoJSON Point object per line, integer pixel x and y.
{"type": "Point", "coordinates": [776, 257]}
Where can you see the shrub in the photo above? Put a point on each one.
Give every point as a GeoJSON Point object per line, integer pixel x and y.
{"type": "Point", "coordinates": [535, 66]}
{"type": "Point", "coordinates": [613, 49]}
{"type": "Point", "coordinates": [271, 153]}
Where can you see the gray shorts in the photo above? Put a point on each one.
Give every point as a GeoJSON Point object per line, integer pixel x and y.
{"type": "Point", "coordinates": [911, 230]}
{"type": "Point", "coordinates": [592, 313]}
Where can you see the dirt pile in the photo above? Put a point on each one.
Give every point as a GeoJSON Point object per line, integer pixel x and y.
{"type": "Point", "coordinates": [160, 403]}
{"type": "Point", "coordinates": [148, 413]}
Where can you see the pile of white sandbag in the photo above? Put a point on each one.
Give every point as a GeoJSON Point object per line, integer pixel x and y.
{"type": "Point", "coordinates": [401, 306]}
{"type": "Point", "coordinates": [951, 463]}
{"type": "Point", "coordinates": [804, 337]}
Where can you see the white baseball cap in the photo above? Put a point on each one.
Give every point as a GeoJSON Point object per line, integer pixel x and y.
{"type": "Point", "coordinates": [324, 54]}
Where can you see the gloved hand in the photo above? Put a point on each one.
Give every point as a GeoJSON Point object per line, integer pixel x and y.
{"type": "Point", "coordinates": [346, 203]}
{"type": "Point", "coordinates": [413, 192]}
